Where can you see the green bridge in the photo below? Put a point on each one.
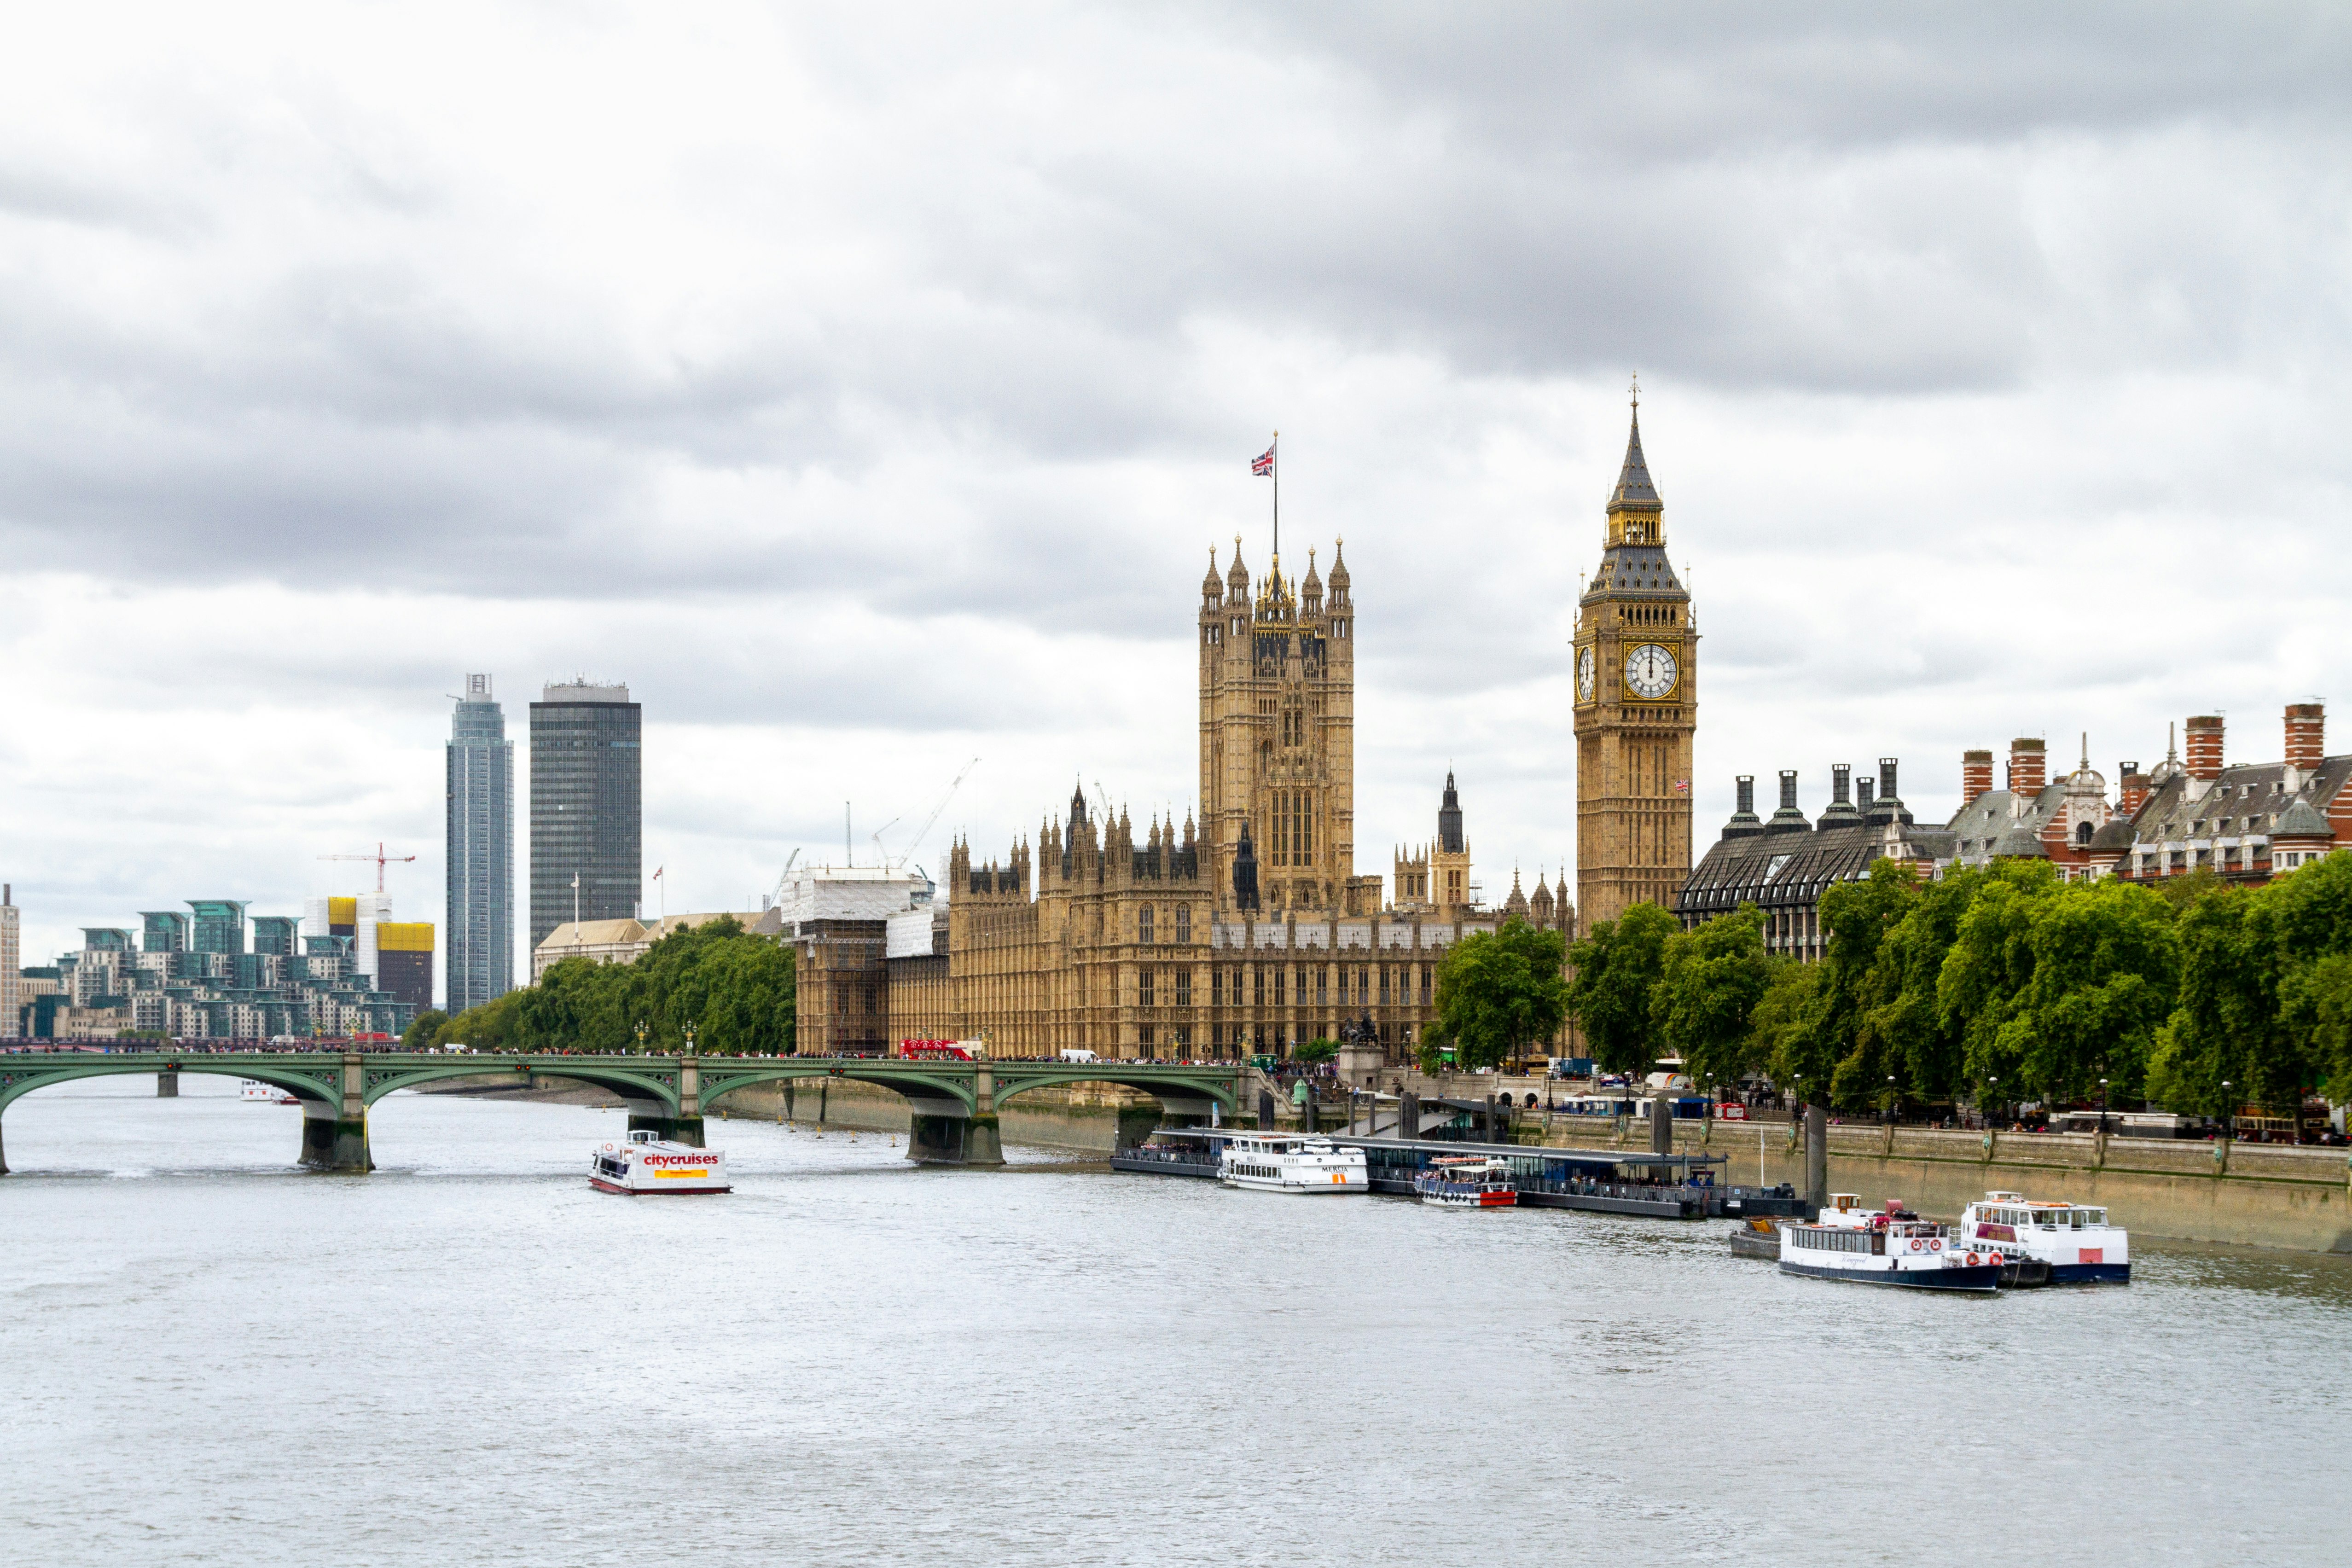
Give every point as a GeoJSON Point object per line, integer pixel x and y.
{"type": "Point", "coordinates": [951, 1105]}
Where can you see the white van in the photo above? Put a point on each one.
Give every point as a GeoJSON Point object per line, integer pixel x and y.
{"type": "Point", "coordinates": [1075, 1056]}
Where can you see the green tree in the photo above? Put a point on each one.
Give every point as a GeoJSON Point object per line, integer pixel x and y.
{"type": "Point", "coordinates": [1780, 1030]}
{"type": "Point", "coordinates": [1856, 919]}
{"type": "Point", "coordinates": [423, 1029]}
{"type": "Point", "coordinates": [1981, 990]}
{"type": "Point", "coordinates": [1616, 967]}
{"type": "Point", "coordinates": [1704, 1003]}
{"type": "Point", "coordinates": [489, 1027]}
{"type": "Point", "coordinates": [1900, 1016]}
{"type": "Point", "coordinates": [1316, 1050]}
{"type": "Point", "coordinates": [2105, 967]}
{"type": "Point", "coordinates": [2227, 1013]}
{"type": "Point", "coordinates": [1498, 991]}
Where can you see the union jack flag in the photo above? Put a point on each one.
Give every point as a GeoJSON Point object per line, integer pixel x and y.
{"type": "Point", "coordinates": [1682, 787]}
{"type": "Point", "coordinates": [1263, 464]}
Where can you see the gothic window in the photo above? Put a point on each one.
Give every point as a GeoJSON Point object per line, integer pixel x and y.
{"type": "Point", "coordinates": [1183, 924]}
{"type": "Point", "coordinates": [1424, 986]}
{"type": "Point", "coordinates": [1143, 1037]}
{"type": "Point", "coordinates": [1217, 987]}
{"type": "Point", "coordinates": [1281, 977]}
{"type": "Point", "coordinates": [1257, 987]}
{"type": "Point", "coordinates": [1145, 990]}
{"type": "Point", "coordinates": [1183, 988]}
{"type": "Point", "coordinates": [1322, 987]}
{"type": "Point", "coordinates": [1384, 984]}
{"type": "Point", "coordinates": [1183, 1035]}
{"type": "Point", "coordinates": [1144, 925]}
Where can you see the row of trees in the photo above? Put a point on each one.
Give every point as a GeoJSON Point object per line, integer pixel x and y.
{"type": "Point", "coordinates": [1998, 983]}
{"type": "Point", "coordinates": [733, 988]}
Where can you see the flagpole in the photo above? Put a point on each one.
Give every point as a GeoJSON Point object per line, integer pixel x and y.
{"type": "Point", "coordinates": [1277, 499]}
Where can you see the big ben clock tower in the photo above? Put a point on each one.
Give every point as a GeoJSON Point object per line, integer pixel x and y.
{"type": "Point", "coordinates": [1636, 708]}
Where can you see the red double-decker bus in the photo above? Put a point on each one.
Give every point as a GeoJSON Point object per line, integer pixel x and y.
{"type": "Point", "coordinates": [944, 1050]}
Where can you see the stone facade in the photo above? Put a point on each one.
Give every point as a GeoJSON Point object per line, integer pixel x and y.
{"type": "Point", "coordinates": [1246, 931]}
{"type": "Point", "coordinates": [1636, 708]}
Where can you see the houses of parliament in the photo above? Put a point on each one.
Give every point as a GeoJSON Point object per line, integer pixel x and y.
{"type": "Point", "coordinates": [1250, 929]}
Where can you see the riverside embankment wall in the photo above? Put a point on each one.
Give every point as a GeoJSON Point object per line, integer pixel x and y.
{"type": "Point", "coordinates": [2257, 1194]}
{"type": "Point", "coordinates": [1084, 1117]}
{"type": "Point", "coordinates": [2263, 1196]}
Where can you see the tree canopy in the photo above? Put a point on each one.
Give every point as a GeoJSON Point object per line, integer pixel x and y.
{"type": "Point", "coordinates": [736, 990]}
{"type": "Point", "coordinates": [1499, 992]}
{"type": "Point", "coordinates": [1703, 1006]}
{"type": "Point", "coordinates": [1616, 969]}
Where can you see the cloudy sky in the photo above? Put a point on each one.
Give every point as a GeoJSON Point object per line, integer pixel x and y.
{"type": "Point", "coordinates": [866, 386]}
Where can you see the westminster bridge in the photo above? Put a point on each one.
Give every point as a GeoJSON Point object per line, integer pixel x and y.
{"type": "Point", "coordinates": [951, 1105]}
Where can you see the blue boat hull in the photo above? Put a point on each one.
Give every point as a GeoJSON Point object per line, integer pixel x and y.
{"type": "Point", "coordinates": [1984, 1280]}
{"type": "Point", "coordinates": [2090, 1274]}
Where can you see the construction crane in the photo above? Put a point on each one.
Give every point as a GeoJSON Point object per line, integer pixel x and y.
{"type": "Point", "coordinates": [930, 822]}
{"type": "Point", "coordinates": [380, 857]}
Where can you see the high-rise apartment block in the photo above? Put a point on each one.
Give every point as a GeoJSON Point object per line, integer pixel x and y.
{"type": "Point", "coordinates": [480, 851]}
{"type": "Point", "coordinates": [11, 958]}
{"type": "Point", "coordinates": [586, 793]}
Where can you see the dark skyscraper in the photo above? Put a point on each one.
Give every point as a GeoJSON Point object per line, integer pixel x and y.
{"type": "Point", "coordinates": [586, 779]}
{"type": "Point", "coordinates": [481, 852]}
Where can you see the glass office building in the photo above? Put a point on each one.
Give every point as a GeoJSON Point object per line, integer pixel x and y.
{"type": "Point", "coordinates": [586, 793]}
{"type": "Point", "coordinates": [481, 852]}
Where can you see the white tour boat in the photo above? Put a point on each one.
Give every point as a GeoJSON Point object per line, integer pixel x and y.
{"type": "Point", "coordinates": [1276, 1162]}
{"type": "Point", "coordinates": [645, 1164]}
{"type": "Point", "coordinates": [2074, 1240]}
{"type": "Point", "coordinates": [1466, 1182]}
{"type": "Point", "coordinates": [1889, 1247]}
{"type": "Point", "coordinates": [257, 1094]}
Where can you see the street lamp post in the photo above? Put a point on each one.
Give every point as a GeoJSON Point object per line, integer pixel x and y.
{"type": "Point", "coordinates": [2229, 1113]}
{"type": "Point", "coordinates": [1992, 1089]}
{"type": "Point", "coordinates": [641, 1037]}
{"type": "Point", "coordinates": [2103, 1107]}
{"type": "Point", "coordinates": [1890, 1099]}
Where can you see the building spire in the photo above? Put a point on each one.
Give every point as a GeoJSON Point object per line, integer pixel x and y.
{"type": "Point", "coordinates": [1634, 486]}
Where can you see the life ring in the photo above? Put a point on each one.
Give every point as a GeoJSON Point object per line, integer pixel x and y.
{"type": "Point", "coordinates": [1936, 1244]}
{"type": "Point", "coordinates": [1916, 1244]}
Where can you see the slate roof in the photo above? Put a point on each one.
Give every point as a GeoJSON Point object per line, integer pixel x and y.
{"type": "Point", "coordinates": [1634, 484]}
{"type": "Point", "coordinates": [1777, 871]}
{"type": "Point", "coordinates": [2245, 802]}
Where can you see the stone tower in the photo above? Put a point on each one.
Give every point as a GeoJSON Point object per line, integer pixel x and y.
{"type": "Point", "coordinates": [1636, 708]}
{"type": "Point", "coordinates": [1278, 737]}
{"type": "Point", "coordinates": [1435, 882]}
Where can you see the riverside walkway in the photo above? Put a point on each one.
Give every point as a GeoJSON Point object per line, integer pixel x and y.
{"type": "Point", "coordinates": [951, 1105]}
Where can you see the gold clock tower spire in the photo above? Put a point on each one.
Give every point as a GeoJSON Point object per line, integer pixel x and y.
{"type": "Point", "coordinates": [1636, 708]}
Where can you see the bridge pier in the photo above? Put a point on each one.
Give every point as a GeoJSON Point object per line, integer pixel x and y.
{"type": "Point", "coordinates": [657, 1121]}
{"type": "Point", "coordinates": [167, 1084]}
{"type": "Point", "coordinates": [942, 1132]}
{"type": "Point", "coordinates": [335, 1135]}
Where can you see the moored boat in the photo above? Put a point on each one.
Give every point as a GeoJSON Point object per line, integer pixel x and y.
{"type": "Point", "coordinates": [2072, 1241]}
{"type": "Point", "coordinates": [1757, 1237]}
{"type": "Point", "coordinates": [645, 1164]}
{"type": "Point", "coordinates": [254, 1092]}
{"type": "Point", "coordinates": [1466, 1182]}
{"type": "Point", "coordinates": [1891, 1246]}
{"type": "Point", "coordinates": [1277, 1163]}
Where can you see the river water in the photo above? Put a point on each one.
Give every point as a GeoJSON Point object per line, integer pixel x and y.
{"type": "Point", "coordinates": [469, 1357]}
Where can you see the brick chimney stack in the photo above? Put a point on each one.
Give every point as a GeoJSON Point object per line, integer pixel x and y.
{"type": "Point", "coordinates": [2133, 789]}
{"type": "Point", "coordinates": [2028, 765]}
{"type": "Point", "coordinates": [2204, 747]}
{"type": "Point", "coordinates": [2306, 735]}
{"type": "Point", "coordinates": [1976, 775]}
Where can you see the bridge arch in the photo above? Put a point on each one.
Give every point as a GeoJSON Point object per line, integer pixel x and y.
{"type": "Point", "coordinates": [950, 1118]}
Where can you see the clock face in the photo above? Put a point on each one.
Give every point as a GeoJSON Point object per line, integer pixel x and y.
{"type": "Point", "coordinates": [1584, 676]}
{"type": "Point", "coordinates": [1650, 672]}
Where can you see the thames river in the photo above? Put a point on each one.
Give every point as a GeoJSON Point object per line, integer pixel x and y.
{"type": "Point", "coordinates": [470, 1357]}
